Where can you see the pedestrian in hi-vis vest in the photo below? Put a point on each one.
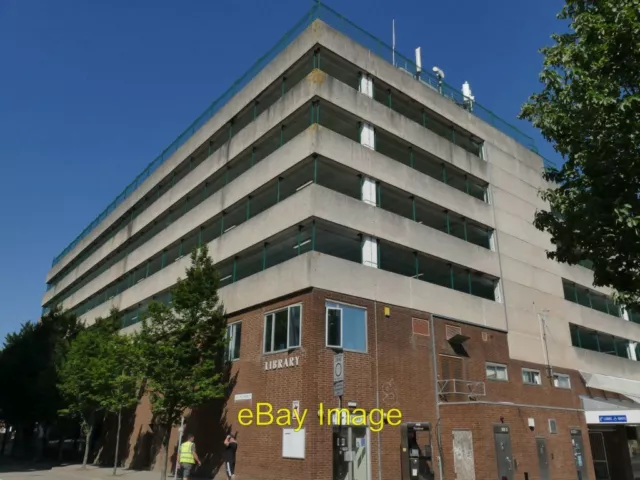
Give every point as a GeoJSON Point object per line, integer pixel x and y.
{"type": "Point", "coordinates": [187, 457]}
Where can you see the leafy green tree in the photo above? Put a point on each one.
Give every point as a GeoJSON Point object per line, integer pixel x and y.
{"type": "Point", "coordinates": [121, 357]}
{"type": "Point", "coordinates": [182, 347]}
{"type": "Point", "coordinates": [98, 375]}
{"type": "Point", "coordinates": [29, 361]}
{"type": "Point", "coordinates": [589, 109]}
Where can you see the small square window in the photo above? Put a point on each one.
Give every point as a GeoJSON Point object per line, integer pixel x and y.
{"type": "Point", "coordinates": [234, 335]}
{"type": "Point", "coordinates": [496, 371]}
{"type": "Point", "coordinates": [346, 327]}
{"type": "Point", "coordinates": [282, 329]}
{"type": "Point", "coordinates": [561, 380]}
{"type": "Point", "coordinates": [531, 377]}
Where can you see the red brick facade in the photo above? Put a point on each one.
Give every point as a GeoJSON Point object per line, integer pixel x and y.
{"type": "Point", "coordinates": [396, 372]}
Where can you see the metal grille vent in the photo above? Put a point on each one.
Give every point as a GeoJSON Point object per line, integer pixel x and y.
{"type": "Point", "coordinates": [452, 331]}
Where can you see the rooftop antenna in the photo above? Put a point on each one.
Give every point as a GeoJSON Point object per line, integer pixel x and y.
{"type": "Point", "coordinates": [418, 63]}
{"type": "Point", "coordinates": [468, 98]}
{"type": "Point", "coordinates": [393, 48]}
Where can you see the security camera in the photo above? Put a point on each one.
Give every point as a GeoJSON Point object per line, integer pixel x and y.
{"type": "Point", "coordinates": [438, 72]}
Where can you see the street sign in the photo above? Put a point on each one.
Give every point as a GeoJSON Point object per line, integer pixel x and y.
{"type": "Point", "coordinates": [613, 418]}
{"type": "Point", "coordinates": [338, 375]}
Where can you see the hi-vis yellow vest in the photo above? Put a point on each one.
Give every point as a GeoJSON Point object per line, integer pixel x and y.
{"type": "Point", "coordinates": [185, 453]}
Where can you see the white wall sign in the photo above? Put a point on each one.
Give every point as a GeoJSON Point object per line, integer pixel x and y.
{"type": "Point", "coordinates": [612, 416]}
{"type": "Point", "coordinates": [282, 363]}
{"type": "Point", "coordinates": [293, 443]}
{"type": "Point", "coordinates": [242, 396]}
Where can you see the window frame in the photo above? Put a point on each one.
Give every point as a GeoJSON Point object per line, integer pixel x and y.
{"type": "Point", "coordinates": [326, 326]}
{"type": "Point", "coordinates": [496, 365]}
{"type": "Point", "coordinates": [233, 326]}
{"type": "Point", "coordinates": [563, 375]}
{"type": "Point", "coordinates": [273, 330]}
{"type": "Point", "coordinates": [531, 370]}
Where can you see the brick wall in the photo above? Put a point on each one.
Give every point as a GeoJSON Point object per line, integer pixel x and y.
{"type": "Point", "coordinates": [396, 372]}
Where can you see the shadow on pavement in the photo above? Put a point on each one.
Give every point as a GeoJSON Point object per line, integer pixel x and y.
{"type": "Point", "coordinates": [13, 466]}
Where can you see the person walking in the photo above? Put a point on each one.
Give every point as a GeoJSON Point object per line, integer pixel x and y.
{"type": "Point", "coordinates": [231, 446]}
{"type": "Point", "coordinates": [187, 457]}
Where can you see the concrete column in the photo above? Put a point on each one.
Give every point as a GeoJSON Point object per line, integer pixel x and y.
{"type": "Point", "coordinates": [497, 292]}
{"type": "Point", "coordinates": [631, 346]}
{"type": "Point", "coordinates": [367, 136]}
{"type": "Point", "coordinates": [370, 252]}
{"type": "Point", "coordinates": [368, 184]}
{"type": "Point", "coordinates": [625, 314]}
{"type": "Point", "coordinates": [369, 193]}
{"type": "Point", "coordinates": [492, 241]}
{"type": "Point", "coordinates": [366, 85]}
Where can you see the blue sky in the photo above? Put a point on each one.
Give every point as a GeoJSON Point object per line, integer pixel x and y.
{"type": "Point", "coordinates": [91, 92]}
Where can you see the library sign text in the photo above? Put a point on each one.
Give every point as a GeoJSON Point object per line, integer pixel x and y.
{"type": "Point", "coordinates": [282, 363]}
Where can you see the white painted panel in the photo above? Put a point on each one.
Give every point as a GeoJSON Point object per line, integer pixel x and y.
{"type": "Point", "coordinates": [370, 252]}
{"type": "Point", "coordinates": [366, 85]}
{"type": "Point", "coordinates": [367, 136]}
{"type": "Point", "coordinates": [369, 191]}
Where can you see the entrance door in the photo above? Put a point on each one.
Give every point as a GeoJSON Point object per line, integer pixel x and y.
{"type": "Point", "coordinates": [578, 453]}
{"type": "Point", "coordinates": [543, 458]}
{"type": "Point", "coordinates": [360, 448]}
{"type": "Point", "coordinates": [351, 453]}
{"type": "Point", "coordinates": [504, 457]}
{"type": "Point", "coordinates": [599, 455]}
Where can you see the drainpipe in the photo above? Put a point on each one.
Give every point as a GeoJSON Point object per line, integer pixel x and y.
{"type": "Point", "coordinates": [375, 321]}
{"type": "Point", "coordinates": [436, 397]}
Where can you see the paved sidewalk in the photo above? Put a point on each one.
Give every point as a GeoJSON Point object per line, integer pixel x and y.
{"type": "Point", "coordinates": [73, 472]}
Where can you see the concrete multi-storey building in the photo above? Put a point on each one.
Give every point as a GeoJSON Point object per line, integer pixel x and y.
{"type": "Point", "coordinates": [352, 207]}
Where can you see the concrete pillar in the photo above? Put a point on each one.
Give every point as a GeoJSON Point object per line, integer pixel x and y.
{"type": "Point", "coordinates": [492, 240]}
{"type": "Point", "coordinates": [366, 85]}
{"type": "Point", "coordinates": [370, 252]}
{"type": "Point", "coordinates": [367, 136]}
{"type": "Point", "coordinates": [497, 292]}
{"type": "Point", "coordinates": [631, 346]}
{"type": "Point", "coordinates": [625, 314]}
{"type": "Point", "coordinates": [369, 193]}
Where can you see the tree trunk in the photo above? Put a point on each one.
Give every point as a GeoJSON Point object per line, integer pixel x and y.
{"type": "Point", "coordinates": [87, 444]}
{"type": "Point", "coordinates": [115, 460]}
{"type": "Point", "coordinates": [165, 443]}
{"type": "Point", "coordinates": [60, 446]}
{"type": "Point", "coordinates": [4, 439]}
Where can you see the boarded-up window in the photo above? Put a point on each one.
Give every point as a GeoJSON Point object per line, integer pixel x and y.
{"type": "Point", "coordinates": [451, 368]}
{"type": "Point", "coordinates": [463, 462]}
{"type": "Point", "coordinates": [452, 383]}
{"type": "Point", "coordinates": [420, 326]}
